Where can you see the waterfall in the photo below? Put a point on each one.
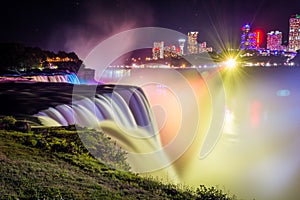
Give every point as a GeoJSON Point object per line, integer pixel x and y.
{"type": "Point", "coordinates": [123, 113]}
{"type": "Point", "coordinates": [127, 107]}
{"type": "Point", "coordinates": [58, 78]}
{"type": "Point", "coordinates": [72, 78]}
{"type": "Point", "coordinates": [236, 129]}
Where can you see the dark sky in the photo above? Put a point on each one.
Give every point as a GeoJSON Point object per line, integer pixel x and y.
{"type": "Point", "coordinates": [79, 25]}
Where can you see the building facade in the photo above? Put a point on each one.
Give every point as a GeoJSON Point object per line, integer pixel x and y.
{"type": "Point", "coordinates": [192, 46]}
{"type": "Point", "coordinates": [274, 41]}
{"type": "Point", "coordinates": [181, 45]}
{"type": "Point", "coordinates": [249, 40]}
{"type": "Point", "coordinates": [294, 33]}
{"type": "Point", "coordinates": [158, 50]}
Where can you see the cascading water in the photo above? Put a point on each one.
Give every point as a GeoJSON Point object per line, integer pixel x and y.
{"type": "Point", "coordinates": [255, 156]}
{"type": "Point", "coordinates": [61, 78]}
{"type": "Point", "coordinates": [122, 112]}
{"type": "Point", "coordinates": [127, 106]}
{"type": "Point", "coordinates": [72, 78]}
{"type": "Point", "coordinates": [242, 127]}
{"type": "Point", "coordinates": [55, 78]}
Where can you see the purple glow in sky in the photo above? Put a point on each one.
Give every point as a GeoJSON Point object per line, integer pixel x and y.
{"type": "Point", "coordinates": [77, 25]}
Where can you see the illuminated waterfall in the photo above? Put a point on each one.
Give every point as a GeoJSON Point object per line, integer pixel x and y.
{"type": "Point", "coordinates": [256, 110]}
{"type": "Point", "coordinates": [127, 106]}
{"type": "Point", "coordinates": [246, 141]}
{"type": "Point", "coordinates": [123, 113]}
{"type": "Point", "coordinates": [59, 78]}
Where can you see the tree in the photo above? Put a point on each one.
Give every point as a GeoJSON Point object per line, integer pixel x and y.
{"type": "Point", "coordinates": [7, 122]}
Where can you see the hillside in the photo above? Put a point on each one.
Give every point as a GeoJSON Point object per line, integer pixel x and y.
{"type": "Point", "coordinates": [17, 59]}
{"type": "Point", "coordinates": [51, 163]}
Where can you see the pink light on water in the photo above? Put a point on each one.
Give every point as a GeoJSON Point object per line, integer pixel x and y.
{"type": "Point", "coordinates": [255, 114]}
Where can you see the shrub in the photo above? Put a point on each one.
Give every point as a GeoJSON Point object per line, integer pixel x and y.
{"type": "Point", "coordinates": [105, 149]}
{"type": "Point", "coordinates": [7, 122]}
{"type": "Point", "coordinates": [205, 193]}
{"type": "Point", "coordinates": [82, 143]}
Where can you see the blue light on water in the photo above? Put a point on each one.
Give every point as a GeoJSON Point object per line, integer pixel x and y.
{"type": "Point", "coordinates": [283, 93]}
{"type": "Point", "coordinates": [72, 78]}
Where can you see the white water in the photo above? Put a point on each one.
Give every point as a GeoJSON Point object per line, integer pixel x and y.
{"type": "Point", "coordinates": [256, 113]}
{"type": "Point", "coordinates": [65, 78]}
{"type": "Point", "coordinates": [240, 133]}
{"type": "Point", "coordinates": [122, 113]}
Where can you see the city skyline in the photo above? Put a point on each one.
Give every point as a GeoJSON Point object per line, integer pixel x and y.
{"type": "Point", "coordinates": [79, 25]}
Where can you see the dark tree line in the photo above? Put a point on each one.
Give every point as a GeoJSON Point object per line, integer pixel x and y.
{"type": "Point", "coordinates": [17, 57]}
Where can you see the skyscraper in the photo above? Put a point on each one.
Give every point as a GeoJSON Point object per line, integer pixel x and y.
{"type": "Point", "coordinates": [158, 50]}
{"type": "Point", "coordinates": [249, 40]}
{"type": "Point", "coordinates": [274, 40]}
{"type": "Point", "coordinates": [181, 45]}
{"type": "Point", "coordinates": [192, 43]}
{"type": "Point", "coordinates": [294, 33]}
{"type": "Point", "coordinates": [244, 37]}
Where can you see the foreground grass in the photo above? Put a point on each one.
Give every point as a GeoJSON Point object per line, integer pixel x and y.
{"type": "Point", "coordinates": [53, 164]}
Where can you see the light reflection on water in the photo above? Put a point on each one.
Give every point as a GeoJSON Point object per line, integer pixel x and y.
{"type": "Point", "coordinates": [257, 153]}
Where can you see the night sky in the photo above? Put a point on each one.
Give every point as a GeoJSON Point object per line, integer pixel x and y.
{"type": "Point", "coordinates": [79, 25]}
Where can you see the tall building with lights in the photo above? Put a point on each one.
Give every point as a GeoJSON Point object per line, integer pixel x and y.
{"type": "Point", "coordinates": [250, 40]}
{"type": "Point", "coordinates": [192, 45]}
{"type": "Point", "coordinates": [158, 50]}
{"type": "Point", "coordinates": [274, 40]}
{"type": "Point", "coordinates": [294, 33]}
{"type": "Point", "coordinates": [202, 47]}
{"type": "Point", "coordinates": [181, 45]}
{"type": "Point", "coordinates": [245, 36]}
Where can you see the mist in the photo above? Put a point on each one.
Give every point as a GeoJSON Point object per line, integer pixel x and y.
{"type": "Point", "coordinates": [98, 21]}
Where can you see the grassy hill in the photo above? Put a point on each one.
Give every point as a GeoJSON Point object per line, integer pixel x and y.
{"type": "Point", "coordinates": [52, 163]}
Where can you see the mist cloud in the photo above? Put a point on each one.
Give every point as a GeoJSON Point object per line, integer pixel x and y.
{"type": "Point", "coordinates": [98, 21]}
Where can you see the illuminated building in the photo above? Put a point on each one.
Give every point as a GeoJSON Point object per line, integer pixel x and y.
{"type": "Point", "coordinates": [59, 59]}
{"type": "Point", "coordinates": [244, 37]}
{"type": "Point", "coordinates": [192, 43]}
{"type": "Point", "coordinates": [250, 40]}
{"type": "Point", "coordinates": [258, 39]}
{"type": "Point", "coordinates": [158, 50]}
{"type": "Point", "coordinates": [274, 41]}
{"type": "Point", "coordinates": [294, 33]}
{"type": "Point", "coordinates": [209, 49]}
{"type": "Point", "coordinates": [171, 51]}
{"type": "Point", "coordinates": [181, 45]}
{"type": "Point", "coordinates": [252, 45]}
{"type": "Point", "coordinates": [202, 47]}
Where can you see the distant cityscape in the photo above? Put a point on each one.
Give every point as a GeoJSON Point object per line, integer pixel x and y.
{"type": "Point", "coordinates": [17, 59]}
{"type": "Point", "coordinates": [250, 40]}
{"type": "Point", "coordinates": [251, 51]}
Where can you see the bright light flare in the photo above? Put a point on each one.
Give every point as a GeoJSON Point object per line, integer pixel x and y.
{"type": "Point", "coordinates": [230, 63]}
